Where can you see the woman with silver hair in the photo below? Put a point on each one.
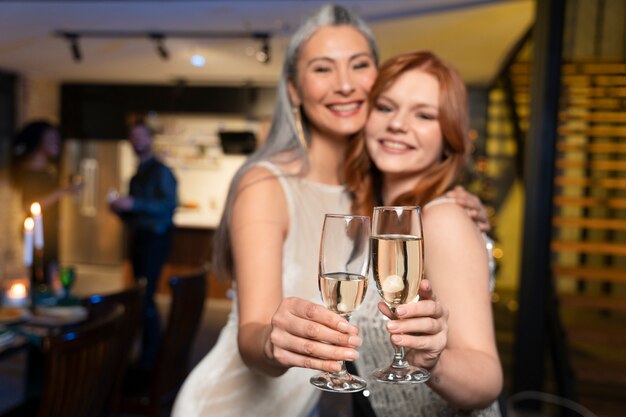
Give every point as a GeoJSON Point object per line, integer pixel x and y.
{"type": "Point", "coordinates": [269, 235]}
{"type": "Point", "coordinates": [268, 239]}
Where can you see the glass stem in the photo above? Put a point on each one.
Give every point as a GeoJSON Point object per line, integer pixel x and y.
{"type": "Point", "coordinates": [398, 357]}
{"type": "Point", "coordinates": [398, 351]}
{"type": "Point", "coordinates": [342, 372]}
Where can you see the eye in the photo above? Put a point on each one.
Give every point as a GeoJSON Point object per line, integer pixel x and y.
{"type": "Point", "coordinates": [382, 107]}
{"type": "Point", "coordinates": [362, 64]}
{"type": "Point", "coordinates": [426, 116]}
{"type": "Point", "coordinates": [321, 69]}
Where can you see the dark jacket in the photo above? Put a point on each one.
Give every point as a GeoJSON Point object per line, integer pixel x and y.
{"type": "Point", "coordinates": [153, 188]}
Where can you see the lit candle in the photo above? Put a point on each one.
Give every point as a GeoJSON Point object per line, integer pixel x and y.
{"type": "Point", "coordinates": [17, 293]}
{"type": "Point", "coordinates": [35, 210]}
{"type": "Point", "coordinates": [29, 225]}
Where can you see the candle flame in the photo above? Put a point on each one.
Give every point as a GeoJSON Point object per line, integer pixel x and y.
{"type": "Point", "coordinates": [35, 209]}
{"type": "Point", "coordinates": [17, 290]}
{"type": "Point", "coordinates": [29, 223]}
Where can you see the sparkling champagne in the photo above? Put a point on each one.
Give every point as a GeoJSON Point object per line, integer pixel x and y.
{"type": "Point", "coordinates": [398, 266]}
{"type": "Point", "coordinates": [342, 292]}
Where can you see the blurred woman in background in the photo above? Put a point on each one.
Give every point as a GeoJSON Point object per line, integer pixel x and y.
{"type": "Point", "coordinates": [36, 150]}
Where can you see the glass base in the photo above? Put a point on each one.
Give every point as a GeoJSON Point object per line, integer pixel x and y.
{"type": "Point", "coordinates": [338, 383]}
{"type": "Point", "coordinates": [404, 375]}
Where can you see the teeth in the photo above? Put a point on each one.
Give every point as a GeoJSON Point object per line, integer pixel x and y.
{"type": "Point", "coordinates": [394, 145]}
{"type": "Point", "coordinates": [345, 107]}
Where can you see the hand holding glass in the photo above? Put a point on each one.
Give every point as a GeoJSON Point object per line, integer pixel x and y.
{"type": "Point", "coordinates": [398, 267]}
{"type": "Point", "coordinates": [343, 266]}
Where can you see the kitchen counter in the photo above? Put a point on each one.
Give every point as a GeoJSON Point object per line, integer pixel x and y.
{"type": "Point", "coordinates": [196, 219]}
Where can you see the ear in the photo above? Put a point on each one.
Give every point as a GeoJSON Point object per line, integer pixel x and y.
{"type": "Point", "coordinates": [294, 97]}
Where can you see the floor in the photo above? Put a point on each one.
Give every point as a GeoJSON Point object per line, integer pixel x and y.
{"type": "Point", "coordinates": [597, 351]}
{"type": "Point", "coordinates": [596, 343]}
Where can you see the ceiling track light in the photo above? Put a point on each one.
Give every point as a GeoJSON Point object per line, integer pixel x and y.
{"type": "Point", "coordinates": [263, 55]}
{"type": "Point", "coordinates": [159, 40]}
{"type": "Point", "coordinates": [72, 39]}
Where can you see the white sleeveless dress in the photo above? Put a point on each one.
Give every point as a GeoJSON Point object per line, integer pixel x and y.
{"type": "Point", "coordinates": [392, 400]}
{"type": "Point", "coordinates": [221, 384]}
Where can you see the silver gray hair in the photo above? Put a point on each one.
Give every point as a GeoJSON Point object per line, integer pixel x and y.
{"type": "Point", "coordinates": [282, 140]}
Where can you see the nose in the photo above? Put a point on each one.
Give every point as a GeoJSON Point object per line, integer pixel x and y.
{"type": "Point", "coordinates": [345, 84]}
{"type": "Point", "coordinates": [398, 122]}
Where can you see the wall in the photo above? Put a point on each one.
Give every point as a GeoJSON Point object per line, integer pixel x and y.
{"type": "Point", "coordinates": [37, 98]}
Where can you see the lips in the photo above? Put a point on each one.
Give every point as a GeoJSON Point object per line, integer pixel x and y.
{"type": "Point", "coordinates": [394, 145]}
{"type": "Point", "coordinates": [345, 109]}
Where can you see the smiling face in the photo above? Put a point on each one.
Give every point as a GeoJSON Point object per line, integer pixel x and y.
{"type": "Point", "coordinates": [403, 134]}
{"type": "Point", "coordinates": [335, 72]}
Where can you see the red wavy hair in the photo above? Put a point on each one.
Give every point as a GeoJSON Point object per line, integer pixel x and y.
{"type": "Point", "coordinates": [364, 181]}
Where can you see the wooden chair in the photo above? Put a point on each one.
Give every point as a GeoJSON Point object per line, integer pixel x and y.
{"type": "Point", "coordinates": [146, 392]}
{"type": "Point", "coordinates": [79, 370]}
{"type": "Point", "coordinates": [131, 299]}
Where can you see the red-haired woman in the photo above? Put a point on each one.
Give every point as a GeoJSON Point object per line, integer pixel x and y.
{"type": "Point", "coordinates": [412, 152]}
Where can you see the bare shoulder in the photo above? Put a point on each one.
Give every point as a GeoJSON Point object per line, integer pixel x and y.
{"type": "Point", "coordinates": [449, 221]}
{"type": "Point", "coordinates": [450, 234]}
{"type": "Point", "coordinates": [257, 177]}
{"type": "Point", "coordinates": [445, 213]}
{"type": "Point", "coordinates": [259, 197]}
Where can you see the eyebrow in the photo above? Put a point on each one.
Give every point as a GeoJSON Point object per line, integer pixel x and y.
{"type": "Point", "coordinates": [414, 106]}
{"type": "Point", "coordinates": [329, 59]}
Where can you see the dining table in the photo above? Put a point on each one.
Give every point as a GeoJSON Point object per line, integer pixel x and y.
{"type": "Point", "coordinates": [23, 329]}
{"type": "Point", "coordinates": [12, 341]}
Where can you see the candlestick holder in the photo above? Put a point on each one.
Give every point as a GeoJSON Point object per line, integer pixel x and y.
{"type": "Point", "coordinates": [40, 289]}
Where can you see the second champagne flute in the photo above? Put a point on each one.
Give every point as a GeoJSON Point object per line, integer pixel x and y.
{"type": "Point", "coordinates": [343, 266]}
{"type": "Point", "coordinates": [398, 267]}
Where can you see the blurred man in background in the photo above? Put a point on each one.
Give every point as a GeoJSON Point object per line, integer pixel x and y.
{"type": "Point", "coordinates": [147, 213]}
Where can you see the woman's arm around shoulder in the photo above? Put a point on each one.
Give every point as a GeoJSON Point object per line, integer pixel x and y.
{"type": "Point", "coordinates": [468, 373]}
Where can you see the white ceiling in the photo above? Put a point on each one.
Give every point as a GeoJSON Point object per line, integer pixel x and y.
{"type": "Point", "coordinates": [474, 35]}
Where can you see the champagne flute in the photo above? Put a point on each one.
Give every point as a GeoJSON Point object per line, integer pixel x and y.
{"type": "Point", "coordinates": [343, 266]}
{"type": "Point", "coordinates": [398, 267]}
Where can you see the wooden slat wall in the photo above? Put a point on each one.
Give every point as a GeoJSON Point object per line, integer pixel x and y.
{"type": "Point", "coordinates": [592, 147]}
{"type": "Point", "coordinates": [612, 224]}
{"type": "Point", "coordinates": [617, 203]}
{"type": "Point", "coordinates": [589, 244]}
{"type": "Point", "coordinates": [591, 273]}
{"type": "Point", "coordinates": [563, 181]}
{"type": "Point", "coordinates": [602, 248]}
